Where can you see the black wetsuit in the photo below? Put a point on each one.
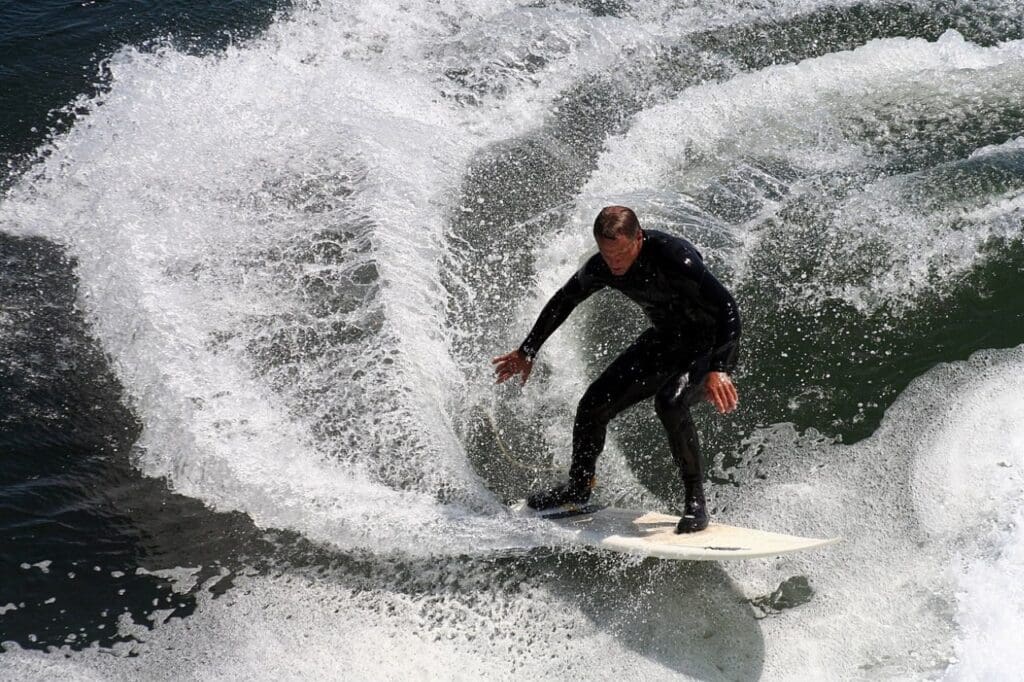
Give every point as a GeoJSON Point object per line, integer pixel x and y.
{"type": "Point", "coordinates": [695, 329]}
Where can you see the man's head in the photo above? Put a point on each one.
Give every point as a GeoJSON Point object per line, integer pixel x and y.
{"type": "Point", "coordinates": [619, 237]}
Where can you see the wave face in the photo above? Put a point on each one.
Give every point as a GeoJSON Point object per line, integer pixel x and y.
{"type": "Point", "coordinates": [298, 255]}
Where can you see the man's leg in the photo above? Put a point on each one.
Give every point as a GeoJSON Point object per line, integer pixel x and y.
{"type": "Point", "coordinates": [672, 403]}
{"type": "Point", "coordinates": [635, 375]}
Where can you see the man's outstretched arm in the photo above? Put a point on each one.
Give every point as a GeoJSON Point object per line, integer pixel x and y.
{"type": "Point", "coordinates": [520, 361]}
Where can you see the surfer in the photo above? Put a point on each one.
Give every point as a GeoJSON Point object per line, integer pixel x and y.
{"type": "Point", "coordinates": [687, 354]}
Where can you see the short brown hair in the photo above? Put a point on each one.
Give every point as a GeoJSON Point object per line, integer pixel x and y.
{"type": "Point", "coordinates": [615, 221]}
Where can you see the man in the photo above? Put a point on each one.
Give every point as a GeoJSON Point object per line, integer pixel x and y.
{"type": "Point", "coordinates": [688, 353]}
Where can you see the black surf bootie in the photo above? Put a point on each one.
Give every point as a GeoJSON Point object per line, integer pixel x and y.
{"type": "Point", "coordinates": [695, 513]}
{"type": "Point", "coordinates": [571, 492]}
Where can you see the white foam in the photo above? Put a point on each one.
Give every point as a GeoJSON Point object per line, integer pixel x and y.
{"type": "Point", "coordinates": [344, 632]}
{"type": "Point", "coordinates": [990, 604]}
{"type": "Point", "coordinates": [969, 494]}
{"type": "Point", "coordinates": [453, 620]}
{"type": "Point", "coordinates": [917, 505]}
{"type": "Point", "coordinates": [794, 103]}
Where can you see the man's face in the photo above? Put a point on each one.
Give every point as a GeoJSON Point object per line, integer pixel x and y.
{"type": "Point", "coordinates": [619, 253]}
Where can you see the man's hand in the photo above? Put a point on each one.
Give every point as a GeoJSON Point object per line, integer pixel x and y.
{"type": "Point", "coordinates": [720, 392]}
{"type": "Point", "coordinates": [511, 364]}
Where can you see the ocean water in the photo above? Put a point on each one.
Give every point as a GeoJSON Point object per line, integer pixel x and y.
{"type": "Point", "coordinates": [256, 260]}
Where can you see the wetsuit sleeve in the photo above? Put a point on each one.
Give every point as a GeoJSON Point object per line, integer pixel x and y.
{"type": "Point", "coordinates": [727, 331]}
{"type": "Point", "coordinates": [579, 287]}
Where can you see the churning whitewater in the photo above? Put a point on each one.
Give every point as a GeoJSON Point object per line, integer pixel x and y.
{"type": "Point", "coordinates": [298, 255]}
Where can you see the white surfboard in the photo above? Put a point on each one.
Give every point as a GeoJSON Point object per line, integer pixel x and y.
{"type": "Point", "coordinates": [653, 534]}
